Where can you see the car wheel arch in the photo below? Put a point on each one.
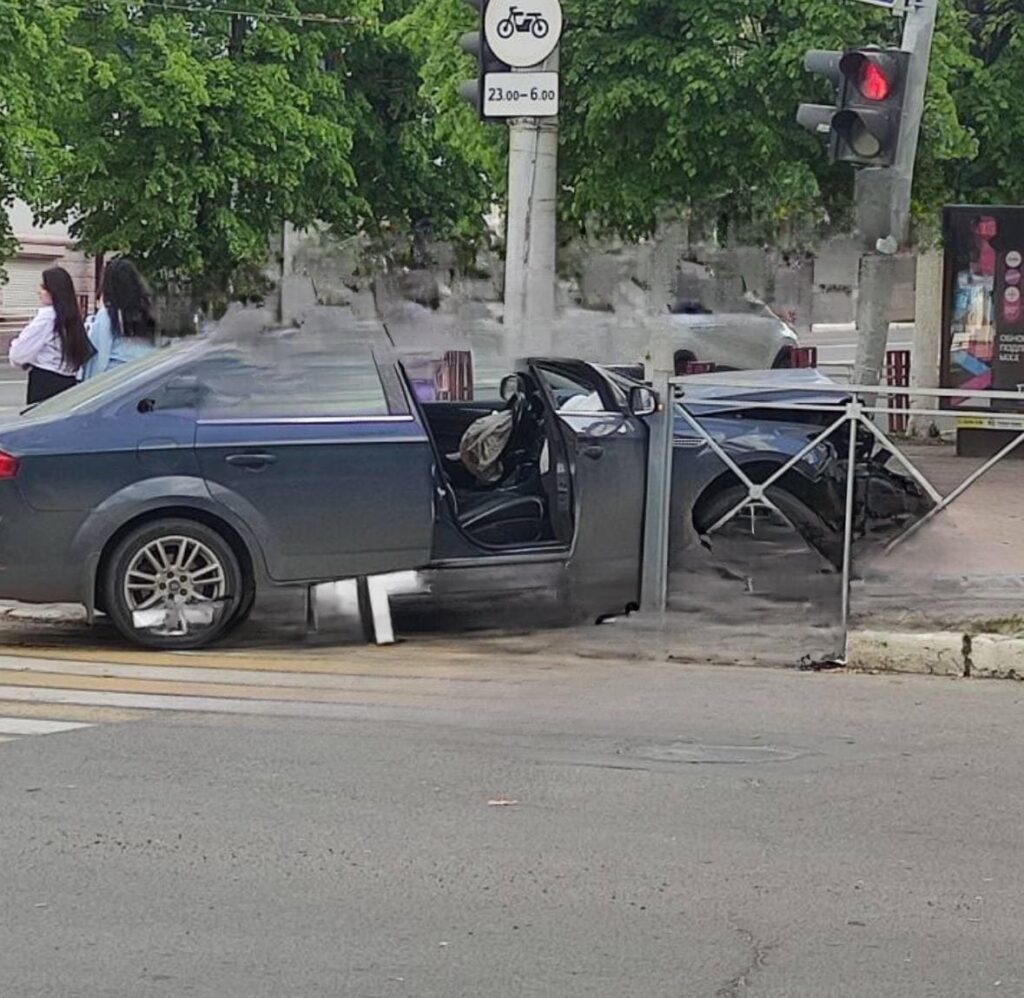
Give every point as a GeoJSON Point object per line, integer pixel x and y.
{"type": "Point", "coordinates": [238, 544]}
{"type": "Point", "coordinates": [757, 471]}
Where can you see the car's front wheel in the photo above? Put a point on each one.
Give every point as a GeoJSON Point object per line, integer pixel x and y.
{"type": "Point", "coordinates": [174, 584]}
{"type": "Point", "coordinates": [758, 522]}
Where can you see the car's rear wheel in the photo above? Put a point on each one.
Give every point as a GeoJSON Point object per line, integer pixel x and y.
{"type": "Point", "coordinates": [759, 522]}
{"type": "Point", "coordinates": [174, 584]}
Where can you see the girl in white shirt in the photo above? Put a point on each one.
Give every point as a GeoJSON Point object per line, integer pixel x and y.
{"type": "Point", "coordinates": [54, 345]}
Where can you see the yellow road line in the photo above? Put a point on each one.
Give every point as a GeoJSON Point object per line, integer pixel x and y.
{"type": "Point", "coordinates": [366, 655]}
{"type": "Point", "coordinates": [68, 712]}
{"type": "Point", "coordinates": [415, 664]}
{"type": "Point", "coordinates": [64, 681]}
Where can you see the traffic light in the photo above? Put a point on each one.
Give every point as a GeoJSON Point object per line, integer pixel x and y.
{"type": "Point", "coordinates": [475, 43]}
{"type": "Point", "coordinates": [866, 128]}
{"type": "Point", "coordinates": [818, 117]}
{"type": "Point", "coordinates": [863, 127]}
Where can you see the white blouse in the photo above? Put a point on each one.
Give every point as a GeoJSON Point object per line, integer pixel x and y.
{"type": "Point", "coordinates": [38, 344]}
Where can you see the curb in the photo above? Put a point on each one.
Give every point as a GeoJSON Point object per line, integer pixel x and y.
{"type": "Point", "coordinates": [941, 653]}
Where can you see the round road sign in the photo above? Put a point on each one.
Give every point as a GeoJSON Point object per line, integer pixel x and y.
{"type": "Point", "coordinates": [524, 33]}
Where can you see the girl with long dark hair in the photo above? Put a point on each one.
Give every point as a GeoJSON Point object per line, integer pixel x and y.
{"type": "Point", "coordinates": [125, 327]}
{"type": "Point", "coordinates": [54, 345]}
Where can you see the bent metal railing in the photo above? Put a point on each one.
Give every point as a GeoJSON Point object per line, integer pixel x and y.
{"type": "Point", "coordinates": [859, 411]}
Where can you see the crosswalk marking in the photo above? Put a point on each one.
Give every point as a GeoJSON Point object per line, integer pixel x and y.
{"type": "Point", "coordinates": [31, 726]}
{"type": "Point", "coordinates": [324, 683]}
{"type": "Point", "coordinates": [353, 681]}
{"type": "Point", "coordinates": [202, 705]}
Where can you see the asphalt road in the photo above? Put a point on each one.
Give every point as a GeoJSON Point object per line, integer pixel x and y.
{"type": "Point", "coordinates": [511, 827]}
{"type": "Point", "coordinates": [837, 343]}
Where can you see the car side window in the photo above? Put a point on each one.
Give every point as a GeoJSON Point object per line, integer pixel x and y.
{"type": "Point", "coordinates": [570, 394]}
{"type": "Point", "coordinates": [271, 381]}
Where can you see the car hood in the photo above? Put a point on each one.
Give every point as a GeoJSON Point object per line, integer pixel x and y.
{"type": "Point", "coordinates": [713, 392]}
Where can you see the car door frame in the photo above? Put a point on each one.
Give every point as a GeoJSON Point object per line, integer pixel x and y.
{"type": "Point", "coordinates": [610, 584]}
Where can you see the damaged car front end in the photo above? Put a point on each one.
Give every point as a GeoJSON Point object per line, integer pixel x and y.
{"type": "Point", "coordinates": [764, 422]}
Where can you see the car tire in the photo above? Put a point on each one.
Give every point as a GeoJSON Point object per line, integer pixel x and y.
{"type": "Point", "coordinates": [175, 584]}
{"type": "Point", "coordinates": [811, 527]}
{"type": "Point", "coordinates": [244, 610]}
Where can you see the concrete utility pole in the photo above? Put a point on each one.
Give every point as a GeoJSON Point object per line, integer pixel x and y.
{"type": "Point", "coordinates": [927, 337]}
{"type": "Point", "coordinates": [530, 242]}
{"type": "Point", "coordinates": [882, 197]}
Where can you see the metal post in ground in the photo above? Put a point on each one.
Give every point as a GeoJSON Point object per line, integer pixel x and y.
{"type": "Point", "coordinates": [853, 410]}
{"type": "Point", "coordinates": [654, 575]}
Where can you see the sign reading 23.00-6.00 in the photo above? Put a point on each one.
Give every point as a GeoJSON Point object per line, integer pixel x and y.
{"type": "Point", "coordinates": [513, 95]}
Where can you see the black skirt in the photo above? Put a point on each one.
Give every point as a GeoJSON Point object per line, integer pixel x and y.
{"type": "Point", "coordinates": [43, 384]}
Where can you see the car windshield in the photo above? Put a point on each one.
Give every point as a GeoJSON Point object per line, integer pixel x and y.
{"type": "Point", "coordinates": [98, 388]}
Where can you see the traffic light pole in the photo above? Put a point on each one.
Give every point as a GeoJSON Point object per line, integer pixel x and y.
{"type": "Point", "coordinates": [882, 198]}
{"type": "Point", "coordinates": [530, 240]}
{"type": "Point", "coordinates": [918, 29]}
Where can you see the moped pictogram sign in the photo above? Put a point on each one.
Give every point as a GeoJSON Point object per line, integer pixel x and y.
{"type": "Point", "coordinates": [523, 33]}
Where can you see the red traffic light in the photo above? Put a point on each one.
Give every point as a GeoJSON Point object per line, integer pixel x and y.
{"type": "Point", "coordinates": [875, 76]}
{"type": "Point", "coordinates": [873, 83]}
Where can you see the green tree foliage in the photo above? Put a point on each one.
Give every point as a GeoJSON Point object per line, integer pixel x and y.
{"type": "Point", "coordinates": [432, 32]}
{"type": "Point", "coordinates": [688, 105]}
{"type": "Point", "coordinates": [35, 77]}
{"type": "Point", "coordinates": [992, 41]}
{"type": "Point", "coordinates": [187, 137]}
{"type": "Point", "coordinates": [197, 134]}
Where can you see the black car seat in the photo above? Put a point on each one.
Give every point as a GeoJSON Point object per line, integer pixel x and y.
{"type": "Point", "coordinates": [498, 514]}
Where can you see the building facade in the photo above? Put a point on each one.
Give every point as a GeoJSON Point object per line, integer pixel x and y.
{"type": "Point", "coordinates": [40, 246]}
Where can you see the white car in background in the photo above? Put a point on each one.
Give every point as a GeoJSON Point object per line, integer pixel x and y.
{"type": "Point", "coordinates": [738, 341]}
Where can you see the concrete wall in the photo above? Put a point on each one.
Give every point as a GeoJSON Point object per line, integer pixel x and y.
{"type": "Point", "coordinates": [625, 280]}
{"type": "Point", "coordinates": [818, 287]}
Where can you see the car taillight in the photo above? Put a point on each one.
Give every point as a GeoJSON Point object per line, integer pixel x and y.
{"type": "Point", "coordinates": [8, 465]}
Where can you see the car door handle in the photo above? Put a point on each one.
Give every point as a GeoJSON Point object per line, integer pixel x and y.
{"type": "Point", "coordinates": [254, 462]}
{"type": "Point", "coordinates": [594, 451]}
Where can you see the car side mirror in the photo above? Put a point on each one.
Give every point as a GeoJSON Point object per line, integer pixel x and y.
{"type": "Point", "coordinates": [511, 386]}
{"type": "Point", "coordinates": [643, 401]}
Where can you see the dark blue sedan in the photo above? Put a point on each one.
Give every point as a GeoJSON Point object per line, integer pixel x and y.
{"type": "Point", "coordinates": [167, 493]}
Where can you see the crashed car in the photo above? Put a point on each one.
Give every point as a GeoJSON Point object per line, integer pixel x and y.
{"type": "Point", "coordinates": [811, 496]}
{"type": "Point", "coordinates": [169, 492]}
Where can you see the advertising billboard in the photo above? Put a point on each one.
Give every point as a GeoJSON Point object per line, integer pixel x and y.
{"type": "Point", "coordinates": [983, 311]}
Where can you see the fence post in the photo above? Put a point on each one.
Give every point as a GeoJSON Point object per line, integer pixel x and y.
{"type": "Point", "coordinates": [654, 574]}
{"type": "Point", "coordinates": [853, 411]}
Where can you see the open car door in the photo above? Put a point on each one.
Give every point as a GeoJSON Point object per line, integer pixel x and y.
{"type": "Point", "coordinates": [607, 450]}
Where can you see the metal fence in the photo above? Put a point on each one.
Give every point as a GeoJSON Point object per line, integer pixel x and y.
{"type": "Point", "coordinates": [865, 406]}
